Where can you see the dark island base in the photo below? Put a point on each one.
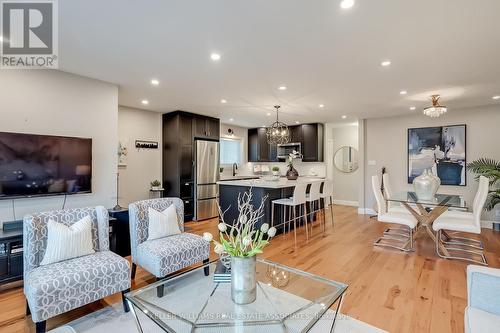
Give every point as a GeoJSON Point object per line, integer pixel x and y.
{"type": "Point", "coordinates": [228, 198]}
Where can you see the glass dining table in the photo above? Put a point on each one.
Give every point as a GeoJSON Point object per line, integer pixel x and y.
{"type": "Point", "coordinates": [427, 211]}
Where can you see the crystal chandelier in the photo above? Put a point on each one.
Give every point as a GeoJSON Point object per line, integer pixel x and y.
{"type": "Point", "coordinates": [436, 109]}
{"type": "Point", "coordinates": [278, 132]}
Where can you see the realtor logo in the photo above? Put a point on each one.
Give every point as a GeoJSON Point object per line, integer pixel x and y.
{"type": "Point", "coordinates": [29, 34]}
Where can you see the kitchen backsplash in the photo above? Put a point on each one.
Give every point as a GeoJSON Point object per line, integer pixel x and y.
{"type": "Point", "coordinates": [304, 168]}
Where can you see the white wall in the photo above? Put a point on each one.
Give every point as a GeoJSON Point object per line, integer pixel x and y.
{"type": "Point", "coordinates": [57, 103]}
{"type": "Point", "coordinates": [386, 144]}
{"type": "Point", "coordinates": [143, 165]}
{"type": "Point", "coordinates": [345, 190]}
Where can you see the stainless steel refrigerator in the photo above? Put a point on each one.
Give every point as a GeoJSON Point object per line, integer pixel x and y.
{"type": "Point", "coordinates": [207, 175]}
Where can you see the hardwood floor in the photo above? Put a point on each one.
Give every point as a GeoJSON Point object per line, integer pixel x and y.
{"type": "Point", "coordinates": [395, 291]}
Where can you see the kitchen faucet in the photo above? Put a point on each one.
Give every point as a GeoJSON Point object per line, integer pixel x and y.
{"type": "Point", "coordinates": [235, 167]}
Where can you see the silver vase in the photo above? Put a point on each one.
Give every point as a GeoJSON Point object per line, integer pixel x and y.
{"type": "Point", "coordinates": [426, 185]}
{"type": "Point", "coordinates": [243, 279]}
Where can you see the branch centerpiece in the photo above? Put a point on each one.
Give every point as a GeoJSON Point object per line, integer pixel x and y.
{"type": "Point", "coordinates": [242, 241]}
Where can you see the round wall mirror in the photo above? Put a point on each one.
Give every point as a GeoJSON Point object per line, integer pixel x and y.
{"type": "Point", "coordinates": [346, 159]}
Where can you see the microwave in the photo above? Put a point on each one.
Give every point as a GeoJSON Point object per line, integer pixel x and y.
{"type": "Point", "coordinates": [285, 149]}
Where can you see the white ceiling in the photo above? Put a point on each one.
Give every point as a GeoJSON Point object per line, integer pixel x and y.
{"type": "Point", "coordinates": [322, 53]}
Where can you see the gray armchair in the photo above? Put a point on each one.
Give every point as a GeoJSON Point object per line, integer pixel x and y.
{"type": "Point", "coordinates": [63, 286]}
{"type": "Point", "coordinates": [166, 255]}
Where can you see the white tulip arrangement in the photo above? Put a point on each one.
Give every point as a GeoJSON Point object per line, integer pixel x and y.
{"type": "Point", "coordinates": [242, 239]}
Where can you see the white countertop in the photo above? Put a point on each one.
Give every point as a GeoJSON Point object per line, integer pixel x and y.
{"type": "Point", "coordinates": [237, 177]}
{"type": "Point", "coordinates": [281, 183]}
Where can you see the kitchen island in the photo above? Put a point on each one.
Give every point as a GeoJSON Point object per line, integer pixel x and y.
{"type": "Point", "coordinates": [283, 188]}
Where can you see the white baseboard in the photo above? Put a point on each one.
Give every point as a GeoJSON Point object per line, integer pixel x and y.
{"type": "Point", "coordinates": [346, 203]}
{"type": "Point", "coordinates": [366, 211]}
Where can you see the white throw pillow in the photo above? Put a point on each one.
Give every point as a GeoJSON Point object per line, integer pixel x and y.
{"type": "Point", "coordinates": [162, 224]}
{"type": "Point", "coordinates": [68, 242]}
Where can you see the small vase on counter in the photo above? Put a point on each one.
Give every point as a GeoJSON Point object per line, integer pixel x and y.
{"type": "Point", "coordinates": [292, 174]}
{"type": "Point", "coordinates": [426, 185]}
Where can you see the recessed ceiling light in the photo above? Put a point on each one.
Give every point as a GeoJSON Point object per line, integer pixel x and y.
{"type": "Point", "coordinates": [346, 4]}
{"type": "Point", "coordinates": [282, 87]}
{"type": "Point", "coordinates": [263, 126]}
{"type": "Point", "coordinates": [215, 56]}
{"type": "Point", "coordinates": [268, 114]}
{"type": "Point", "coordinates": [145, 102]}
{"type": "Point", "coordinates": [231, 119]}
{"type": "Point", "coordinates": [385, 63]}
{"type": "Point", "coordinates": [344, 116]}
{"type": "Point", "coordinates": [155, 82]}
{"type": "Point", "coordinates": [496, 97]}
{"type": "Point", "coordinates": [403, 92]}
{"type": "Point", "coordinates": [412, 108]}
{"type": "Point", "coordinates": [223, 101]}
{"type": "Point", "coordinates": [1, 39]}
{"type": "Point", "coordinates": [297, 122]}
{"type": "Point", "coordinates": [322, 105]}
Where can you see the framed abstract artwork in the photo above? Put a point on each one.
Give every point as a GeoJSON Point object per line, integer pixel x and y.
{"type": "Point", "coordinates": [439, 149]}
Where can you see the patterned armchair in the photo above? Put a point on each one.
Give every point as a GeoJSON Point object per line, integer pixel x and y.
{"type": "Point", "coordinates": [60, 287]}
{"type": "Point", "coordinates": [166, 255]}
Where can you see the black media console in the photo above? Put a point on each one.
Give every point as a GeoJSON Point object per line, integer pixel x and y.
{"type": "Point", "coordinates": [11, 252]}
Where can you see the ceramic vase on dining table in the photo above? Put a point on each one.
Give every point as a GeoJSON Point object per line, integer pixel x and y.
{"type": "Point", "coordinates": [426, 185]}
{"type": "Point", "coordinates": [243, 279]}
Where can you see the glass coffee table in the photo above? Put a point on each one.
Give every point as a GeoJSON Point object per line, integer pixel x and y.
{"type": "Point", "coordinates": [288, 300]}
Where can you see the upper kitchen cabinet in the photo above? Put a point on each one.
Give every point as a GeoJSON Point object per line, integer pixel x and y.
{"type": "Point", "coordinates": [295, 133]}
{"type": "Point", "coordinates": [206, 128]}
{"type": "Point", "coordinates": [312, 142]}
{"type": "Point", "coordinates": [258, 148]}
{"type": "Point", "coordinates": [310, 137]}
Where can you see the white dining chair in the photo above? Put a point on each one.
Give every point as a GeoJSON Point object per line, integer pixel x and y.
{"type": "Point", "coordinates": [400, 241]}
{"type": "Point", "coordinates": [326, 196]}
{"type": "Point", "coordinates": [298, 200]}
{"type": "Point", "coordinates": [463, 222]}
{"type": "Point", "coordinates": [393, 206]}
{"type": "Point", "coordinates": [388, 192]}
{"type": "Point", "coordinates": [312, 199]}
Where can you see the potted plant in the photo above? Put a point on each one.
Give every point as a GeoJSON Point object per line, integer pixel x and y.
{"type": "Point", "coordinates": [276, 171]}
{"type": "Point", "coordinates": [490, 169]}
{"type": "Point", "coordinates": [292, 173]}
{"type": "Point", "coordinates": [242, 241]}
{"type": "Point", "coordinates": [155, 185]}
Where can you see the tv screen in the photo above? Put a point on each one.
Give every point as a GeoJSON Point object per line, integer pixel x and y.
{"type": "Point", "coordinates": [33, 165]}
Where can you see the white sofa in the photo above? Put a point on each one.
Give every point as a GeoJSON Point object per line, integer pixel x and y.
{"type": "Point", "coordinates": [482, 314]}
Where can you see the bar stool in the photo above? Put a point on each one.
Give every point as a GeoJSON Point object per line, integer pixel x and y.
{"type": "Point", "coordinates": [313, 202]}
{"type": "Point", "coordinates": [327, 194]}
{"type": "Point", "coordinates": [298, 200]}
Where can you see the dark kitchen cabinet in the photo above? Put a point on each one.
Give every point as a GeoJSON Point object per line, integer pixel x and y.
{"type": "Point", "coordinates": [258, 148]}
{"type": "Point", "coordinates": [213, 128]}
{"type": "Point", "coordinates": [180, 129]}
{"type": "Point", "coordinates": [312, 142]}
{"type": "Point", "coordinates": [310, 136]}
{"type": "Point", "coordinates": [206, 128]}
{"type": "Point", "coordinates": [296, 133]}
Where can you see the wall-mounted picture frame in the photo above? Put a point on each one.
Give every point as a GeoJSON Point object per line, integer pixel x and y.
{"type": "Point", "coordinates": [142, 144]}
{"type": "Point", "coordinates": [441, 149]}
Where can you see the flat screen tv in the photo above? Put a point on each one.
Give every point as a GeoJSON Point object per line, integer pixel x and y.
{"type": "Point", "coordinates": [42, 165]}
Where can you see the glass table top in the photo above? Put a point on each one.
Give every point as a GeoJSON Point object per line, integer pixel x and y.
{"type": "Point", "coordinates": [449, 200]}
{"type": "Point", "coordinates": [288, 300]}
